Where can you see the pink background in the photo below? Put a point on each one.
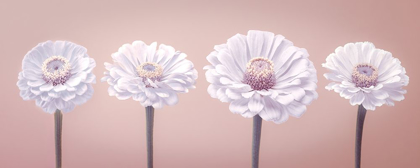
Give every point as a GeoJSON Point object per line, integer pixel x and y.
{"type": "Point", "coordinates": [200, 131]}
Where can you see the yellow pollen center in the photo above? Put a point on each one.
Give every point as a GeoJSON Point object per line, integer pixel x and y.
{"type": "Point", "coordinates": [259, 74]}
{"type": "Point", "coordinates": [55, 67]}
{"type": "Point", "coordinates": [364, 75]}
{"type": "Point", "coordinates": [260, 67]}
{"type": "Point", "coordinates": [149, 70]}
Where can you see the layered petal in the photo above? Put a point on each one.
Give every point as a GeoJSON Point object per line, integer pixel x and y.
{"type": "Point", "coordinates": [390, 79]}
{"type": "Point", "coordinates": [149, 75]}
{"type": "Point", "coordinates": [292, 77]}
{"type": "Point", "coordinates": [74, 88]}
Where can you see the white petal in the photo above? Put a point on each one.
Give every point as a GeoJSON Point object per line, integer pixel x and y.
{"type": "Point", "coordinates": [272, 110]}
{"type": "Point", "coordinates": [71, 51]}
{"type": "Point", "coordinates": [283, 53]}
{"type": "Point", "coordinates": [239, 106]}
{"type": "Point", "coordinates": [31, 75]}
{"type": "Point", "coordinates": [123, 95]}
{"type": "Point", "coordinates": [298, 93]}
{"type": "Point", "coordinates": [22, 83]}
{"type": "Point", "coordinates": [177, 86]}
{"type": "Point", "coordinates": [90, 78]}
{"type": "Point", "coordinates": [221, 95]}
{"type": "Point", "coordinates": [238, 47]}
{"type": "Point", "coordinates": [60, 104]}
{"type": "Point", "coordinates": [79, 65]}
{"type": "Point", "coordinates": [212, 58]}
{"type": "Point", "coordinates": [341, 66]}
{"type": "Point", "coordinates": [81, 89]}
{"type": "Point", "coordinates": [49, 107]}
{"type": "Point", "coordinates": [367, 49]}
{"type": "Point", "coordinates": [259, 43]}
{"type": "Point", "coordinates": [346, 94]}
{"type": "Point", "coordinates": [212, 90]}
{"type": "Point", "coordinates": [226, 81]}
{"type": "Point", "coordinates": [35, 91]}
{"type": "Point", "coordinates": [70, 88]}
{"type": "Point", "coordinates": [53, 94]}
{"type": "Point", "coordinates": [207, 67]}
{"type": "Point", "coordinates": [181, 67]}
{"type": "Point", "coordinates": [309, 97]}
{"type": "Point", "coordinates": [211, 77]}
{"type": "Point", "coordinates": [172, 99]}
{"type": "Point", "coordinates": [45, 97]}
{"type": "Point", "coordinates": [164, 53]}
{"type": "Point", "coordinates": [46, 87]}
{"type": "Point", "coordinates": [130, 51]}
{"type": "Point", "coordinates": [173, 61]}
{"type": "Point", "coordinates": [59, 88]}
{"type": "Point", "coordinates": [284, 117]}
{"type": "Point", "coordinates": [150, 93]}
{"type": "Point", "coordinates": [380, 94]}
{"type": "Point", "coordinates": [367, 103]}
{"type": "Point", "coordinates": [295, 68]}
{"type": "Point", "coordinates": [111, 91]}
{"type": "Point", "coordinates": [255, 104]}
{"type": "Point", "coordinates": [296, 109]}
{"type": "Point", "coordinates": [265, 92]}
{"type": "Point", "coordinates": [69, 107]}
{"type": "Point", "coordinates": [278, 44]}
{"type": "Point", "coordinates": [285, 99]}
{"type": "Point", "coordinates": [333, 76]}
{"type": "Point", "coordinates": [283, 61]}
{"type": "Point", "coordinates": [78, 100]}
{"type": "Point", "coordinates": [162, 93]}
{"type": "Point", "coordinates": [357, 99]}
{"type": "Point", "coordinates": [73, 81]}
{"type": "Point", "coordinates": [228, 61]}
{"type": "Point", "coordinates": [248, 94]}
{"type": "Point", "coordinates": [36, 83]}
{"type": "Point", "coordinates": [248, 114]}
{"type": "Point", "coordinates": [151, 52]}
{"type": "Point", "coordinates": [25, 94]}
{"type": "Point", "coordinates": [67, 96]}
{"type": "Point", "coordinates": [397, 95]}
{"type": "Point", "coordinates": [233, 95]}
{"type": "Point", "coordinates": [330, 86]}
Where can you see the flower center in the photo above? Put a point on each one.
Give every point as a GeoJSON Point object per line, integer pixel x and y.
{"type": "Point", "coordinates": [150, 70]}
{"type": "Point", "coordinates": [364, 75]}
{"type": "Point", "coordinates": [260, 74]}
{"type": "Point", "coordinates": [56, 70]}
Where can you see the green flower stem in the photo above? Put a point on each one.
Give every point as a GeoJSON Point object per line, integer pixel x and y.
{"type": "Point", "coordinates": [256, 137]}
{"type": "Point", "coordinates": [58, 120]}
{"type": "Point", "coordinates": [149, 135]}
{"type": "Point", "coordinates": [361, 114]}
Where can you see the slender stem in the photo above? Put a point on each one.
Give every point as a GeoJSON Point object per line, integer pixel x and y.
{"type": "Point", "coordinates": [361, 114]}
{"type": "Point", "coordinates": [256, 137]}
{"type": "Point", "coordinates": [149, 135]}
{"type": "Point", "coordinates": [58, 120]}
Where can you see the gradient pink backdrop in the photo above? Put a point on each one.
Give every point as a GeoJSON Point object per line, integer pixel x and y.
{"type": "Point", "coordinates": [200, 131]}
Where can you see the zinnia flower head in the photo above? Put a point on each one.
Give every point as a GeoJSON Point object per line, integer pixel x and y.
{"type": "Point", "coordinates": [366, 75]}
{"type": "Point", "coordinates": [58, 75]}
{"type": "Point", "coordinates": [152, 77]}
{"type": "Point", "coordinates": [262, 74]}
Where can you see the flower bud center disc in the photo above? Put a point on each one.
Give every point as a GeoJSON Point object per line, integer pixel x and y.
{"type": "Point", "coordinates": [364, 75]}
{"type": "Point", "coordinates": [56, 70]}
{"type": "Point", "coordinates": [259, 74]}
{"type": "Point", "coordinates": [150, 70]}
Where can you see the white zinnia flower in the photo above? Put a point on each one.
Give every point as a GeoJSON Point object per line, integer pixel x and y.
{"type": "Point", "coordinates": [58, 75]}
{"type": "Point", "coordinates": [152, 77]}
{"type": "Point", "coordinates": [262, 74]}
{"type": "Point", "coordinates": [366, 75]}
